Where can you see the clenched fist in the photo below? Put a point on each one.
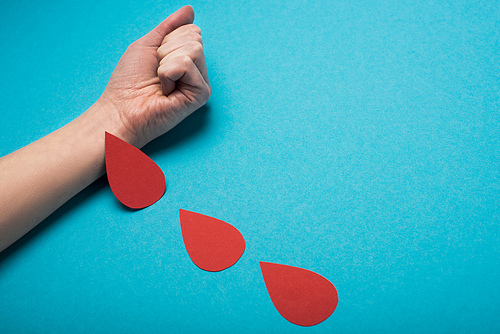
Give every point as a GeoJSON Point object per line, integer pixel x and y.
{"type": "Point", "coordinates": [160, 79]}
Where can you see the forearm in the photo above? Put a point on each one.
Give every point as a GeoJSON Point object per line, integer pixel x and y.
{"type": "Point", "coordinates": [39, 178]}
{"type": "Point", "coordinates": [142, 101]}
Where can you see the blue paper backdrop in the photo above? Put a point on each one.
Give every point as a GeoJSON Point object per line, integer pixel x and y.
{"type": "Point", "coordinates": [357, 139]}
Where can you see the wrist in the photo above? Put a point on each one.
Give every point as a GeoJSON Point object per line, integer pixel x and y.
{"type": "Point", "coordinates": [104, 117]}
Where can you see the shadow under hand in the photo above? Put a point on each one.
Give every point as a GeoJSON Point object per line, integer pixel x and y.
{"type": "Point", "coordinates": [188, 129]}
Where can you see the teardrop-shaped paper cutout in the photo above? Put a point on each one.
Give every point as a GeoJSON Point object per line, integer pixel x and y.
{"type": "Point", "coordinates": [212, 244]}
{"type": "Point", "coordinates": [134, 178]}
{"type": "Point", "coordinates": [300, 296]}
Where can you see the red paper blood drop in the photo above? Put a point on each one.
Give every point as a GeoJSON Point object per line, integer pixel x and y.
{"type": "Point", "coordinates": [300, 296]}
{"type": "Point", "coordinates": [134, 178]}
{"type": "Point", "coordinates": [212, 244]}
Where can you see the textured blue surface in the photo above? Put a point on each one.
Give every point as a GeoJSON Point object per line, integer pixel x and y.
{"type": "Point", "coordinates": [357, 139]}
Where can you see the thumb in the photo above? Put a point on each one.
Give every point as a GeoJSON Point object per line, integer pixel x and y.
{"type": "Point", "coordinates": [181, 17]}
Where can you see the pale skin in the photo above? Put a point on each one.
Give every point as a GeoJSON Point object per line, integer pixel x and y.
{"type": "Point", "coordinates": [160, 80]}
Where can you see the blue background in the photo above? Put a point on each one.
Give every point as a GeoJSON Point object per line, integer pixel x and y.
{"type": "Point", "coordinates": [358, 139]}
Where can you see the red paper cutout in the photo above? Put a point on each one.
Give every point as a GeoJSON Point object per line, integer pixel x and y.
{"type": "Point", "coordinates": [212, 244]}
{"type": "Point", "coordinates": [134, 178]}
{"type": "Point", "coordinates": [301, 296]}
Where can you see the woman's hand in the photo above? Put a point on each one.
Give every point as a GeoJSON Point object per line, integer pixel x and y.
{"type": "Point", "coordinates": [160, 80]}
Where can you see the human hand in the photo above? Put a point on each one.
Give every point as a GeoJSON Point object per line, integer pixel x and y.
{"type": "Point", "coordinates": [160, 80]}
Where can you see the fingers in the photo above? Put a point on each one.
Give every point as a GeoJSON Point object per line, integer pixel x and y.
{"type": "Point", "coordinates": [182, 73]}
{"type": "Point", "coordinates": [181, 17]}
{"type": "Point", "coordinates": [178, 38]}
{"type": "Point", "coordinates": [194, 49]}
{"type": "Point", "coordinates": [184, 41]}
{"type": "Point", "coordinates": [182, 31]}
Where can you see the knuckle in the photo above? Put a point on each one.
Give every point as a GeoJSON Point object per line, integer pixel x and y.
{"type": "Point", "coordinates": [160, 52]}
{"type": "Point", "coordinates": [164, 40]}
{"type": "Point", "coordinates": [160, 71]}
{"type": "Point", "coordinates": [185, 61]}
{"type": "Point", "coordinates": [209, 92]}
{"type": "Point", "coordinates": [195, 37]}
{"type": "Point", "coordinates": [194, 28]}
{"type": "Point", "coordinates": [206, 92]}
{"type": "Point", "coordinates": [196, 47]}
